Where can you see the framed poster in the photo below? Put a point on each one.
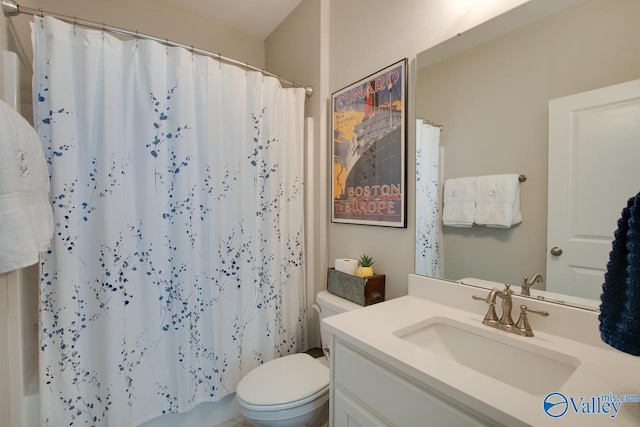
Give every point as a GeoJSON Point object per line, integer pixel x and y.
{"type": "Point", "coordinates": [368, 149]}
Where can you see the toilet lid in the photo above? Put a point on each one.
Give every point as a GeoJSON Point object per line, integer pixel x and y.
{"type": "Point", "coordinates": [283, 380]}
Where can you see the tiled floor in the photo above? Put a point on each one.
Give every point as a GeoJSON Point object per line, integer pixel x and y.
{"type": "Point", "coordinates": [239, 422]}
{"type": "Point", "coordinates": [236, 422]}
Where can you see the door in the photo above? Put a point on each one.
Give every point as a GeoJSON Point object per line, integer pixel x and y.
{"type": "Point", "coordinates": [594, 168]}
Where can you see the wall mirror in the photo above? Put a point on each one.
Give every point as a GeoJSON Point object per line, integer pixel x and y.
{"type": "Point", "coordinates": [490, 88]}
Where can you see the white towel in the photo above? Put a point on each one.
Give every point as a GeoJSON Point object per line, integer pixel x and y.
{"type": "Point", "coordinates": [459, 202]}
{"type": "Point", "coordinates": [26, 219]}
{"type": "Point", "coordinates": [498, 200]}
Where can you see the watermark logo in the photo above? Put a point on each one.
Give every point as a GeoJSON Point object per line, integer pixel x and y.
{"type": "Point", "coordinates": [557, 404]}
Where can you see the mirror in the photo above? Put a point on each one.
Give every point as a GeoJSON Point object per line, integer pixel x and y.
{"type": "Point", "coordinates": [490, 90]}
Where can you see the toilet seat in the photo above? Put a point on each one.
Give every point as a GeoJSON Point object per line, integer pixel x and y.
{"type": "Point", "coordinates": [283, 383]}
{"type": "Point", "coordinates": [285, 406]}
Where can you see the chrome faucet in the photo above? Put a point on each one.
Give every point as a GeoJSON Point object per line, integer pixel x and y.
{"type": "Point", "coordinates": [527, 284]}
{"type": "Point", "coordinates": [505, 322]}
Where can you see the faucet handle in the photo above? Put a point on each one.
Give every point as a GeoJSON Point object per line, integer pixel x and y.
{"type": "Point", "coordinates": [541, 313]}
{"type": "Point", "coordinates": [523, 322]}
{"type": "Point", "coordinates": [491, 317]}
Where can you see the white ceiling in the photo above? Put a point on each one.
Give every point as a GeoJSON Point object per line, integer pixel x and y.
{"type": "Point", "coordinates": [255, 17]}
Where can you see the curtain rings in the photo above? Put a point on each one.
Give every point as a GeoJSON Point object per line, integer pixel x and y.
{"type": "Point", "coordinates": [75, 24]}
{"type": "Point", "coordinates": [42, 18]}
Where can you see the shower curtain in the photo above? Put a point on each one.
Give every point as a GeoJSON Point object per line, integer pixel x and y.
{"type": "Point", "coordinates": [177, 261]}
{"type": "Point", "coordinates": [428, 244]}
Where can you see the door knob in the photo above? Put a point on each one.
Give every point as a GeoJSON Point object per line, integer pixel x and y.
{"type": "Point", "coordinates": [555, 251]}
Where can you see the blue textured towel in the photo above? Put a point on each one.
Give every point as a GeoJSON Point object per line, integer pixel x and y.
{"type": "Point", "coordinates": [620, 308]}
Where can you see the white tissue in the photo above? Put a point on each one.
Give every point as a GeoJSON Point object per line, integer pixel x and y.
{"type": "Point", "coordinates": [346, 265]}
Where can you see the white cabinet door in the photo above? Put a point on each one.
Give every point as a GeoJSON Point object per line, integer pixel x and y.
{"type": "Point", "coordinates": [348, 413]}
{"type": "Point", "coordinates": [370, 394]}
{"type": "Point", "coordinates": [594, 168]}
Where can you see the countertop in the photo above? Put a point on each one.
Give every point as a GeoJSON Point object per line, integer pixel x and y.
{"type": "Point", "coordinates": [600, 371]}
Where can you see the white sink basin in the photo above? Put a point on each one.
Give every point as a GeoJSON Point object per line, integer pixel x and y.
{"type": "Point", "coordinates": [497, 354]}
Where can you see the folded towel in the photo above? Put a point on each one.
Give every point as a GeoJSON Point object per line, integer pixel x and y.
{"type": "Point", "coordinates": [620, 308]}
{"type": "Point", "coordinates": [26, 219]}
{"type": "Point", "coordinates": [459, 202]}
{"type": "Point", "coordinates": [498, 201]}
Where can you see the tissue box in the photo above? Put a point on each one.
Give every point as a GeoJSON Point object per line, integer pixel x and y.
{"type": "Point", "coordinates": [363, 291]}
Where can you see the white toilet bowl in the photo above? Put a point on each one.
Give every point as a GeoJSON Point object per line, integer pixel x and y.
{"type": "Point", "coordinates": [291, 391]}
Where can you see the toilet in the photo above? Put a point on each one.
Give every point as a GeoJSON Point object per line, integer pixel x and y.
{"type": "Point", "coordinates": [293, 390]}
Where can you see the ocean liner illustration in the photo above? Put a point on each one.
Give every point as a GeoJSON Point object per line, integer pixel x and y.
{"type": "Point", "coordinates": [374, 154]}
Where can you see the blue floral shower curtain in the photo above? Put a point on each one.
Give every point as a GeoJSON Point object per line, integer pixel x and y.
{"type": "Point", "coordinates": [428, 231]}
{"type": "Point", "coordinates": [177, 260]}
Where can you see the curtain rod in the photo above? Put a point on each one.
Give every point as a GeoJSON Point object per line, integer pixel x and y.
{"type": "Point", "coordinates": [429, 122]}
{"type": "Point", "coordinates": [11, 8]}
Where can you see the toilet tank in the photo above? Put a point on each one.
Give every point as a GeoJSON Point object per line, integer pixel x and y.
{"type": "Point", "coordinates": [327, 305]}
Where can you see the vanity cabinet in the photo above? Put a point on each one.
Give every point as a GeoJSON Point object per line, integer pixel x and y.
{"type": "Point", "coordinates": [369, 393]}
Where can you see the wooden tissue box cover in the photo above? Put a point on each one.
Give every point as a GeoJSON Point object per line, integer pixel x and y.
{"type": "Point", "coordinates": [363, 291]}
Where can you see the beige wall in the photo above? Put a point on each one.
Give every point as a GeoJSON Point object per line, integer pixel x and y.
{"type": "Point", "coordinates": [368, 35]}
{"type": "Point", "coordinates": [493, 103]}
{"type": "Point", "coordinates": [156, 18]}
{"type": "Point", "coordinates": [145, 16]}
{"type": "Point", "coordinates": [330, 44]}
